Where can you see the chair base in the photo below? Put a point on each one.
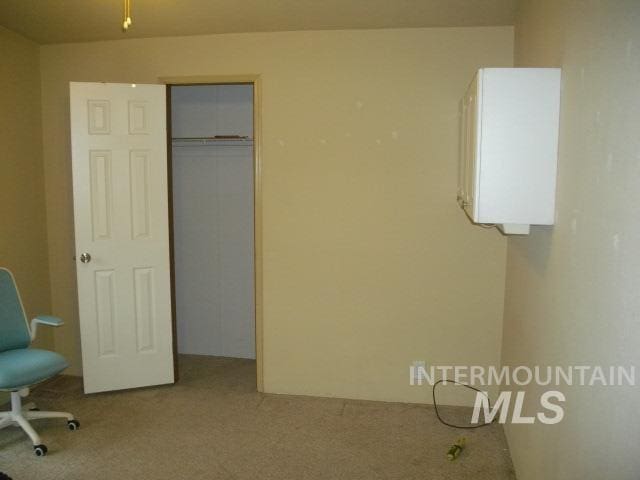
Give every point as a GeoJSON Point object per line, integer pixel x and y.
{"type": "Point", "coordinates": [20, 416]}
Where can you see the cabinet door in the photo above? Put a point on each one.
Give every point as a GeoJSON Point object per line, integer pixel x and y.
{"type": "Point", "coordinates": [462, 156]}
{"type": "Point", "coordinates": [471, 142]}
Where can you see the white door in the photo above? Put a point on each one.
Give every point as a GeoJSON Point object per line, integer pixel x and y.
{"type": "Point", "coordinates": [120, 197]}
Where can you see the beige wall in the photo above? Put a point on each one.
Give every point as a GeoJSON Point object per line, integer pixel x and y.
{"type": "Point", "coordinates": [23, 234]}
{"type": "Point", "coordinates": [572, 290]}
{"type": "Point", "coordinates": [368, 262]}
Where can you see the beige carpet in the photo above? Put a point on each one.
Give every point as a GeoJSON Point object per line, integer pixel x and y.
{"type": "Point", "coordinates": [214, 425]}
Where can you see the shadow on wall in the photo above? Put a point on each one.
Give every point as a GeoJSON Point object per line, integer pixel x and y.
{"type": "Point", "coordinates": [541, 237]}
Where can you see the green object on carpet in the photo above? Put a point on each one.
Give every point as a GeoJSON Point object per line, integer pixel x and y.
{"type": "Point", "coordinates": [456, 449]}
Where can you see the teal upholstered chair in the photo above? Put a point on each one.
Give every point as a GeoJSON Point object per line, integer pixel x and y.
{"type": "Point", "coordinates": [21, 366]}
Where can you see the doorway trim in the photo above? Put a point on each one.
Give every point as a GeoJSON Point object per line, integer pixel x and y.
{"type": "Point", "coordinates": [257, 199]}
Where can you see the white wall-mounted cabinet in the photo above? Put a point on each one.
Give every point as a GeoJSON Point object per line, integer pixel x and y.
{"type": "Point", "coordinates": [509, 147]}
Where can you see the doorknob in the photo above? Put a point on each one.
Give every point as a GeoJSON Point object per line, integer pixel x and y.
{"type": "Point", "coordinates": [85, 257]}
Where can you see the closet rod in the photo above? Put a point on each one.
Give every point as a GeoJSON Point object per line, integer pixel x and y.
{"type": "Point", "coordinates": [217, 138]}
{"type": "Point", "coordinates": [212, 141]}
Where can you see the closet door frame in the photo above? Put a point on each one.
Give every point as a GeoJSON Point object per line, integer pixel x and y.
{"type": "Point", "coordinates": [253, 80]}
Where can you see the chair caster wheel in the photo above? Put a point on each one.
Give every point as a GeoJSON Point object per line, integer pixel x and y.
{"type": "Point", "coordinates": [34, 409]}
{"type": "Point", "coordinates": [40, 450]}
{"type": "Point", "coordinates": [73, 425]}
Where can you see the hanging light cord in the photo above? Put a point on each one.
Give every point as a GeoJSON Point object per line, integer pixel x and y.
{"type": "Point", "coordinates": [126, 17]}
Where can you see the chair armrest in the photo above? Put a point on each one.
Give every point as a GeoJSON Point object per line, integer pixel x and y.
{"type": "Point", "coordinates": [44, 320]}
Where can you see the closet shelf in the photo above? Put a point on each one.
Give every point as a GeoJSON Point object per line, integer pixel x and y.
{"type": "Point", "coordinates": [227, 140]}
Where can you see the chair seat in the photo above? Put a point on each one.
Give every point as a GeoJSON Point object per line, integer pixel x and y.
{"type": "Point", "coordinates": [26, 366]}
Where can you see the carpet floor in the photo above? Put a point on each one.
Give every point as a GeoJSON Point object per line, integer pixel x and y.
{"type": "Point", "coordinates": [214, 425]}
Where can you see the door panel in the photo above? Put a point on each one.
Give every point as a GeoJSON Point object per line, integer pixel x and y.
{"type": "Point", "coordinates": [213, 240]}
{"type": "Point", "coordinates": [120, 194]}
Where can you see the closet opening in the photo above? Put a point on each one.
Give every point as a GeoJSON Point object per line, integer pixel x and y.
{"type": "Point", "coordinates": [213, 195]}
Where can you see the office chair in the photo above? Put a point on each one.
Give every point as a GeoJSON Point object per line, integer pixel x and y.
{"type": "Point", "coordinates": [21, 366]}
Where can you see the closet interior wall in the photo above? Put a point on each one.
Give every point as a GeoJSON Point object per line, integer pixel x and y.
{"type": "Point", "coordinates": [212, 168]}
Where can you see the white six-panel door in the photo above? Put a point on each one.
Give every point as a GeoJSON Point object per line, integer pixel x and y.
{"type": "Point", "coordinates": [119, 150]}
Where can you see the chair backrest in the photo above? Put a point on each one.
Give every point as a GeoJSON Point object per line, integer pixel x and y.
{"type": "Point", "coordinates": [14, 331]}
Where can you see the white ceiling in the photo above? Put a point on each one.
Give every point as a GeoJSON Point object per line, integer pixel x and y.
{"type": "Point", "coordinates": [61, 21]}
